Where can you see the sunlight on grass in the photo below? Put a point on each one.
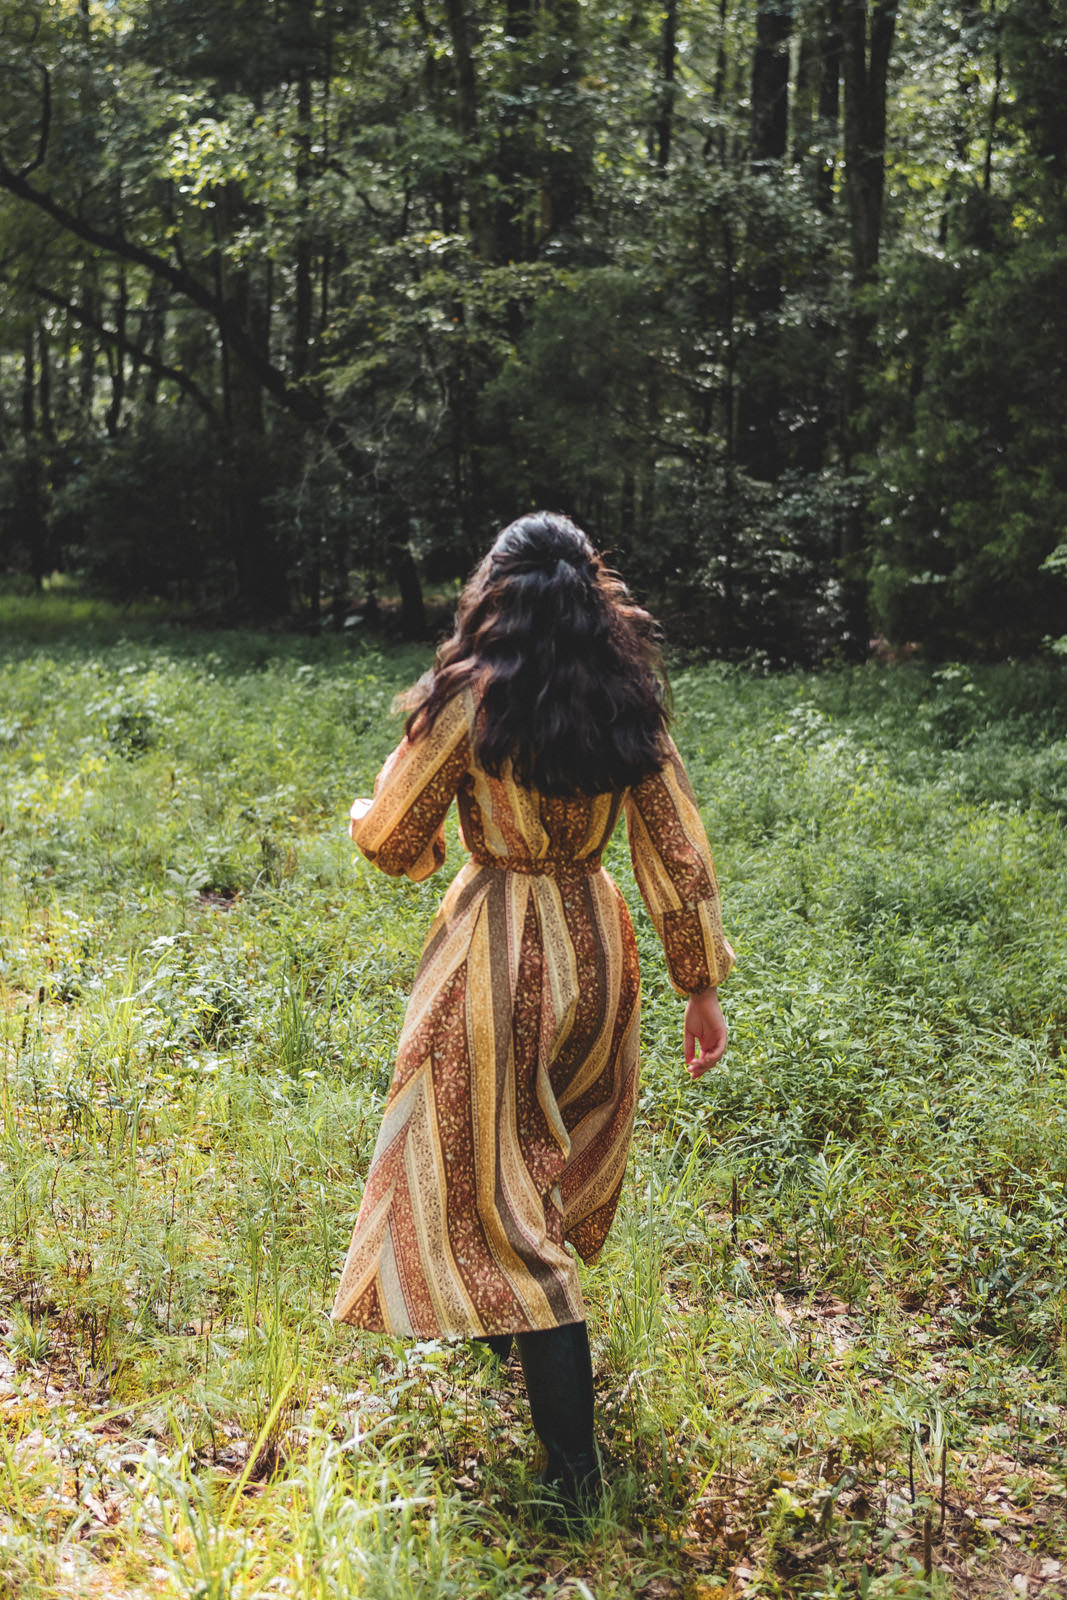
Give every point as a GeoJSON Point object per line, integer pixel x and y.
{"type": "Point", "coordinates": [830, 1325]}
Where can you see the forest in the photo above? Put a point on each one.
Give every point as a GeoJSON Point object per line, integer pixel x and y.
{"type": "Point", "coordinates": [300, 302]}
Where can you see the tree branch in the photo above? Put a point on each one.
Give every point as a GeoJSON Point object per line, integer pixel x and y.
{"type": "Point", "coordinates": [110, 337]}
{"type": "Point", "coordinates": [300, 401]}
{"type": "Point", "coordinates": [46, 126]}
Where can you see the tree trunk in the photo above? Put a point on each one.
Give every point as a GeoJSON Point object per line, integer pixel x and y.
{"type": "Point", "coordinates": [339, 587]}
{"type": "Point", "coordinates": [44, 383]}
{"type": "Point", "coordinates": [117, 358]}
{"type": "Point", "coordinates": [668, 65]}
{"type": "Point", "coordinates": [257, 559]}
{"type": "Point", "coordinates": [29, 510]}
{"type": "Point", "coordinates": [805, 95]}
{"type": "Point", "coordinates": [829, 104]}
{"type": "Point", "coordinates": [564, 195]}
{"type": "Point", "coordinates": [731, 419]}
{"type": "Point", "coordinates": [770, 81]}
{"type": "Point", "coordinates": [462, 32]}
{"type": "Point", "coordinates": [758, 448]}
{"type": "Point", "coordinates": [153, 334]}
{"type": "Point", "coordinates": [87, 361]}
{"type": "Point", "coordinates": [816, 98]}
{"type": "Point", "coordinates": [716, 139]}
{"type": "Point", "coordinates": [303, 264]}
{"type": "Point", "coordinates": [867, 40]}
{"type": "Point", "coordinates": [403, 571]}
{"type": "Point", "coordinates": [994, 113]}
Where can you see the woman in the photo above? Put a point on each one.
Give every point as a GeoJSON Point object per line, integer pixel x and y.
{"type": "Point", "coordinates": [508, 1121]}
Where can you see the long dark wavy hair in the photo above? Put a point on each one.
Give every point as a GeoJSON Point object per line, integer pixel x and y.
{"type": "Point", "coordinates": [565, 667]}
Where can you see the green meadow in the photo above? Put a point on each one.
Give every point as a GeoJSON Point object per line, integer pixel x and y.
{"type": "Point", "coordinates": [830, 1326]}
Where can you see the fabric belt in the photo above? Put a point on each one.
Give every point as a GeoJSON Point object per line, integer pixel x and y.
{"type": "Point", "coordinates": [547, 866]}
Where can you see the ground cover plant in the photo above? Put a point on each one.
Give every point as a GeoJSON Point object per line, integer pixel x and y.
{"type": "Point", "coordinates": [830, 1328]}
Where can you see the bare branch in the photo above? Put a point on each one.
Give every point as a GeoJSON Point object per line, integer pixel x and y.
{"type": "Point", "coordinates": [46, 125]}
{"type": "Point", "coordinates": [299, 400]}
{"type": "Point", "coordinates": [108, 336]}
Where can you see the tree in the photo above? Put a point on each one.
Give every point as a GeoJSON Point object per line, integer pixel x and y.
{"type": "Point", "coordinates": [383, 276]}
{"type": "Point", "coordinates": [972, 469]}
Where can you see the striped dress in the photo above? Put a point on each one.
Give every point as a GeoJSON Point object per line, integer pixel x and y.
{"type": "Point", "coordinates": [507, 1124]}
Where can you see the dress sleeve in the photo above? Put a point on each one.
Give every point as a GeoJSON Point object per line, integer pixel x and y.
{"type": "Point", "coordinates": [402, 829]}
{"type": "Point", "coordinates": [676, 875]}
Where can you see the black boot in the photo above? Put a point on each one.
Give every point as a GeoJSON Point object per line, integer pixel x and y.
{"type": "Point", "coordinates": [559, 1381]}
{"type": "Point", "coordinates": [498, 1343]}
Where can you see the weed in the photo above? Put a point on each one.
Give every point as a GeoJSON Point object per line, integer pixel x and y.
{"type": "Point", "coordinates": [837, 1270]}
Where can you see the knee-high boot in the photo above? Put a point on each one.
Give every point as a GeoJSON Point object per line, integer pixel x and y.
{"type": "Point", "coordinates": [559, 1381]}
{"type": "Point", "coordinates": [498, 1343]}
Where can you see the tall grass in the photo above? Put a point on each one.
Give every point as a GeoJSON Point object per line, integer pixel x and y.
{"type": "Point", "coordinates": [837, 1272]}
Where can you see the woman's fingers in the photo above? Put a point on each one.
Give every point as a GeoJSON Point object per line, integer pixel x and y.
{"type": "Point", "coordinates": [705, 1032]}
{"type": "Point", "coordinates": [698, 1067]}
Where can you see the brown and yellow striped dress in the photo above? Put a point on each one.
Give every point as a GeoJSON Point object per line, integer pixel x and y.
{"type": "Point", "coordinates": [507, 1125]}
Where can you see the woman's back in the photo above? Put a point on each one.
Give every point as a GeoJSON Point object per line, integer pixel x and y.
{"type": "Point", "coordinates": [508, 1120]}
{"type": "Point", "coordinates": [505, 824]}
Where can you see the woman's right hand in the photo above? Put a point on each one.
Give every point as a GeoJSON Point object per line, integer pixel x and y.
{"type": "Point", "coordinates": [705, 1032]}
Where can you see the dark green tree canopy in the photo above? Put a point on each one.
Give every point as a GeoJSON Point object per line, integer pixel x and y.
{"type": "Point", "coordinates": [300, 302]}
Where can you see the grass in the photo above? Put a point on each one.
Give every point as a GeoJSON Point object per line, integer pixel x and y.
{"type": "Point", "coordinates": [830, 1326]}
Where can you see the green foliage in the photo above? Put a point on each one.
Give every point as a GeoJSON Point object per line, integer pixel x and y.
{"type": "Point", "coordinates": [295, 297]}
{"type": "Point", "coordinates": [137, 513]}
{"type": "Point", "coordinates": [970, 500]}
{"type": "Point", "coordinates": [201, 993]}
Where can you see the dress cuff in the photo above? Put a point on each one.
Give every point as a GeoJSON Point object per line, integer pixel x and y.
{"type": "Point", "coordinates": [698, 957]}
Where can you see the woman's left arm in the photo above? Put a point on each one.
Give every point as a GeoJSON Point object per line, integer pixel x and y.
{"type": "Point", "coordinates": [402, 829]}
{"type": "Point", "coordinates": [676, 875]}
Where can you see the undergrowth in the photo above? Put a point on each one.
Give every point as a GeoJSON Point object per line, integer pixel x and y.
{"type": "Point", "coordinates": [830, 1325]}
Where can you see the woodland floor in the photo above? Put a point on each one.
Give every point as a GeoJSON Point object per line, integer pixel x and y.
{"type": "Point", "coordinates": [830, 1326]}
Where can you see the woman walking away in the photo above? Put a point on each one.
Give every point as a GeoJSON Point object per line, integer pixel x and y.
{"type": "Point", "coordinates": [507, 1125]}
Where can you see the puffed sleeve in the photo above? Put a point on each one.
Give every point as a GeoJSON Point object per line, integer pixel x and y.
{"type": "Point", "coordinates": [402, 829]}
{"type": "Point", "coordinates": [676, 875]}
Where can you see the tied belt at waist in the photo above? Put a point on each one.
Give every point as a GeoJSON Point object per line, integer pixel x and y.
{"type": "Point", "coordinates": [547, 866]}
